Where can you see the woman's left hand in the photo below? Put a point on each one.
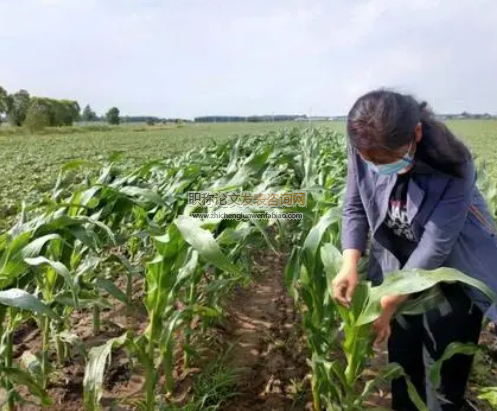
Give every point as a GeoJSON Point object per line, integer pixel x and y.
{"type": "Point", "coordinates": [389, 305]}
{"type": "Point", "coordinates": [382, 327]}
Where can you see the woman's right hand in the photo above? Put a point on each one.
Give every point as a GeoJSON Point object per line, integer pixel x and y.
{"type": "Point", "coordinates": [345, 282]}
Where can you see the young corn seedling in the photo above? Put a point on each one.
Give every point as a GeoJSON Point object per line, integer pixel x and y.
{"type": "Point", "coordinates": [12, 301]}
{"type": "Point", "coordinates": [168, 275]}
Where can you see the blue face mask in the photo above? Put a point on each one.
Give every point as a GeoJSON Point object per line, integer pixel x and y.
{"type": "Point", "coordinates": [392, 168]}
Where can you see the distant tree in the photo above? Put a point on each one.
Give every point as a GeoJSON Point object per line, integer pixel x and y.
{"type": "Point", "coordinates": [112, 116]}
{"type": "Point", "coordinates": [3, 102]}
{"type": "Point", "coordinates": [65, 112]}
{"type": "Point", "coordinates": [88, 114]}
{"type": "Point", "coordinates": [17, 107]}
{"type": "Point", "coordinates": [73, 109]}
{"type": "Point", "coordinates": [38, 115]}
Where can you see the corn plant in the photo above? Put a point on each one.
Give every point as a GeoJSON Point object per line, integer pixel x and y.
{"type": "Point", "coordinates": [173, 271]}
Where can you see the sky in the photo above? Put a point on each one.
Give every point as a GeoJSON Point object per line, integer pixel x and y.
{"type": "Point", "coordinates": [186, 58]}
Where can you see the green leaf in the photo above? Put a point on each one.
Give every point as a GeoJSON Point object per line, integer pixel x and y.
{"type": "Point", "coordinates": [387, 373]}
{"type": "Point", "coordinates": [21, 377]}
{"type": "Point", "coordinates": [489, 394]}
{"type": "Point", "coordinates": [98, 358]}
{"type": "Point", "coordinates": [390, 372]}
{"type": "Point", "coordinates": [18, 298]}
{"type": "Point", "coordinates": [292, 272]}
{"type": "Point", "coordinates": [59, 268]}
{"type": "Point", "coordinates": [313, 239]}
{"type": "Point", "coordinates": [332, 261]}
{"type": "Point", "coordinates": [167, 348]}
{"type": "Point", "coordinates": [112, 289]}
{"type": "Point", "coordinates": [257, 223]}
{"type": "Point", "coordinates": [144, 193]}
{"type": "Point", "coordinates": [404, 282]}
{"type": "Point", "coordinates": [451, 350]}
{"type": "Point", "coordinates": [429, 299]}
{"type": "Point", "coordinates": [188, 269]}
{"type": "Point", "coordinates": [203, 241]}
{"type": "Point", "coordinates": [33, 249]}
{"type": "Point", "coordinates": [205, 311]}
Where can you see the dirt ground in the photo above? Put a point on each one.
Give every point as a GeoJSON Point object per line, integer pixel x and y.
{"type": "Point", "coordinates": [265, 340]}
{"type": "Point", "coordinates": [269, 344]}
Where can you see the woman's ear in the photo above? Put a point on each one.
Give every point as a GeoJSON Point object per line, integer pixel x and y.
{"type": "Point", "coordinates": [419, 132]}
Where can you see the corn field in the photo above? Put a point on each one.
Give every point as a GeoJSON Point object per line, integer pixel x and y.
{"type": "Point", "coordinates": [86, 243]}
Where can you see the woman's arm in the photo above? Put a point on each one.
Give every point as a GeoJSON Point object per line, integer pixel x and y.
{"type": "Point", "coordinates": [445, 223]}
{"type": "Point", "coordinates": [355, 225]}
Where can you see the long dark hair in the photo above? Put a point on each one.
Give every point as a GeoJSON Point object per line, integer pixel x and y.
{"type": "Point", "coordinates": [386, 120]}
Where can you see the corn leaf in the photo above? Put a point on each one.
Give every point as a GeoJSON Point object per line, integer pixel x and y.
{"type": "Point", "coordinates": [489, 394]}
{"type": "Point", "coordinates": [332, 260]}
{"type": "Point", "coordinates": [34, 248]}
{"type": "Point", "coordinates": [112, 289]}
{"type": "Point", "coordinates": [451, 350]}
{"type": "Point", "coordinates": [20, 377]}
{"type": "Point", "coordinates": [58, 267]}
{"type": "Point", "coordinates": [388, 373]}
{"type": "Point", "coordinates": [313, 239]}
{"type": "Point", "coordinates": [203, 241]}
{"type": "Point", "coordinates": [18, 298]}
{"type": "Point", "coordinates": [405, 282]}
{"type": "Point", "coordinates": [98, 358]}
{"type": "Point", "coordinates": [144, 194]}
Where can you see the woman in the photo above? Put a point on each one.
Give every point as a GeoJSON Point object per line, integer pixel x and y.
{"type": "Point", "coordinates": [412, 184]}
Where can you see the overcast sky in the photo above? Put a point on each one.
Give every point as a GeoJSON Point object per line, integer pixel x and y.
{"type": "Point", "coordinates": [196, 57]}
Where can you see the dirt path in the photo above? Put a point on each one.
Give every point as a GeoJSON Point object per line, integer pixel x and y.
{"type": "Point", "coordinates": [268, 344]}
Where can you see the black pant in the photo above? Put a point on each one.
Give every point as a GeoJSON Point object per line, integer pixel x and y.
{"type": "Point", "coordinates": [425, 340]}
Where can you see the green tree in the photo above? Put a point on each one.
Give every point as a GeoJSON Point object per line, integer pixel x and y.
{"type": "Point", "coordinates": [71, 111]}
{"type": "Point", "coordinates": [112, 116]}
{"type": "Point", "coordinates": [3, 102]}
{"type": "Point", "coordinates": [38, 115]}
{"type": "Point", "coordinates": [17, 107]}
{"type": "Point", "coordinates": [66, 112]}
{"type": "Point", "coordinates": [59, 112]}
{"type": "Point", "coordinates": [88, 114]}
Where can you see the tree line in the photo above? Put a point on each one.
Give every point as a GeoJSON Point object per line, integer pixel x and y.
{"type": "Point", "coordinates": [23, 110]}
{"type": "Point", "coordinates": [254, 119]}
{"type": "Point", "coordinates": [35, 113]}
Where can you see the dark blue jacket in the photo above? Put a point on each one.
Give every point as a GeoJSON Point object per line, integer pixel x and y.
{"type": "Point", "coordinates": [449, 218]}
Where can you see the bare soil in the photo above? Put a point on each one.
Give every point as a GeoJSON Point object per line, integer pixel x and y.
{"type": "Point", "coordinates": [269, 344]}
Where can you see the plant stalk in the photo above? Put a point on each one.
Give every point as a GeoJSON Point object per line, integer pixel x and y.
{"type": "Point", "coordinates": [9, 359]}
{"type": "Point", "coordinates": [96, 319]}
{"type": "Point", "coordinates": [186, 355]}
{"type": "Point", "coordinates": [129, 297]}
{"type": "Point", "coordinates": [316, 400]}
{"type": "Point", "coordinates": [150, 372]}
{"type": "Point", "coordinates": [61, 351]}
{"type": "Point", "coordinates": [45, 347]}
